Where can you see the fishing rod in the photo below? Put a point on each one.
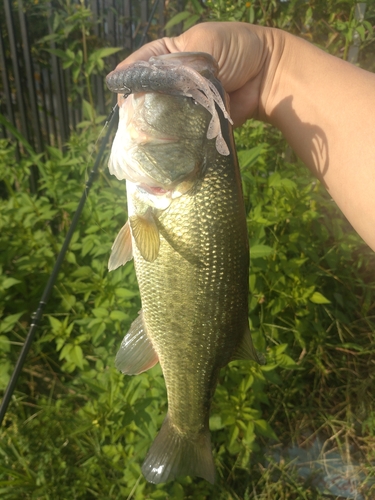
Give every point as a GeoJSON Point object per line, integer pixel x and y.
{"type": "Point", "coordinates": [37, 316]}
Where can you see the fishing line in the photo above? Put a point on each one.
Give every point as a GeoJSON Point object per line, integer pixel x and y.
{"type": "Point", "coordinates": [109, 118]}
{"type": "Point", "coordinates": [37, 316]}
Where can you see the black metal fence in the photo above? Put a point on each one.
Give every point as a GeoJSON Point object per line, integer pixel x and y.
{"type": "Point", "coordinates": [46, 49]}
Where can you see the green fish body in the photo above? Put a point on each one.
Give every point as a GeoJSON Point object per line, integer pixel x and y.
{"type": "Point", "coordinates": [187, 234]}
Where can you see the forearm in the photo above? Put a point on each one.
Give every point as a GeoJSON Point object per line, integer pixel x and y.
{"type": "Point", "coordinates": [325, 107]}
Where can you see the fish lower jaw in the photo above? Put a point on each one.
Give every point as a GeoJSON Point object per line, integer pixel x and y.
{"type": "Point", "coordinates": [171, 194]}
{"type": "Point", "coordinates": [154, 190]}
{"type": "Point", "coordinates": [155, 196]}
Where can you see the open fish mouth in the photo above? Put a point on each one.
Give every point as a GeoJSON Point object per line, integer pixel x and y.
{"type": "Point", "coordinates": [154, 190]}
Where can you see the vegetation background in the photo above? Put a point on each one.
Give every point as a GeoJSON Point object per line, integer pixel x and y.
{"type": "Point", "coordinates": [78, 429]}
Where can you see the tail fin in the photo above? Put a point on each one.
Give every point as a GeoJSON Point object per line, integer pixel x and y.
{"type": "Point", "coordinates": [173, 454]}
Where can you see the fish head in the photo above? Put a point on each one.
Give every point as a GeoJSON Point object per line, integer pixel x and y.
{"type": "Point", "coordinates": [161, 142]}
{"type": "Point", "coordinates": [168, 122]}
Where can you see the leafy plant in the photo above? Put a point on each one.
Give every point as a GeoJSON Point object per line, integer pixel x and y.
{"type": "Point", "coordinates": [82, 53]}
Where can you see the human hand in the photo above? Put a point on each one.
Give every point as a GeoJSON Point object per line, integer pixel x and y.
{"type": "Point", "coordinates": [243, 53]}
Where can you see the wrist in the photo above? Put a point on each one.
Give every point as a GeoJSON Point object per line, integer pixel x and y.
{"type": "Point", "coordinates": [277, 44]}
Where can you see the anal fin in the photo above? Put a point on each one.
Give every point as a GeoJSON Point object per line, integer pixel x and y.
{"type": "Point", "coordinates": [136, 353]}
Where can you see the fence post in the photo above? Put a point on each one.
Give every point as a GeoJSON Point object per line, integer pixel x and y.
{"type": "Point", "coordinates": [58, 82]}
{"type": "Point", "coordinates": [6, 87]}
{"type": "Point", "coordinates": [30, 79]}
{"type": "Point", "coordinates": [18, 83]}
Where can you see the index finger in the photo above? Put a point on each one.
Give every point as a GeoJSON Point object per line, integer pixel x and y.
{"type": "Point", "coordinates": [155, 48]}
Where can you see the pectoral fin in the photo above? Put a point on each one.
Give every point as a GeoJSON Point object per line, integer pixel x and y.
{"type": "Point", "coordinates": [246, 350]}
{"type": "Point", "coordinates": [122, 250]}
{"type": "Point", "coordinates": [146, 234]}
{"type": "Point", "coordinates": [136, 353]}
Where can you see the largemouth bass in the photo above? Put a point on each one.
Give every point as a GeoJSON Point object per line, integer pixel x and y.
{"type": "Point", "coordinates": [187, 233]}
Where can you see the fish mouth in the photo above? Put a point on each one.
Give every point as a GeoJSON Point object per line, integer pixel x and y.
{"type": "Point", "coordinates": [154, 190]}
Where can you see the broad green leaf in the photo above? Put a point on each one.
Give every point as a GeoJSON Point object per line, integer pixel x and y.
{"type": "Point", "coordinates": [75, 73]}
{"type": "Point", "coordinates": [4, 344]}
{"type": "Point", "coordinates": [70, 54]}
{"type": "Point", "coordinates": [178, 18]}
{"type": "Point", "coordinates": [76, 355]}
{"type": "Point", "coordinates": [68, 63]}
{"type": "Point", "coordinates": [198, 8]}
{"type": "Point", "coordinates": [318, 298]}
{"type": "Point", "coordinates": [65, 352]}
{"type": "Point", "coordinates": [280, 349]}
{"type": "Point", "coordinates": [56, 324]}
{"type": "Point", "coordinates": [87, 246]}
{"type": "Point", "coordinates": [252, 282]}
{"type": "Point", "coordinates": [118, 315]}
{"type": "Point", "coordinates": [190, 21]}
{"type": "Point", "coordinates": [264, 428]}
{"type": "Point", "coordinates": [362, 32]}
{"type": "Point", "coordinates": [100, 312]}
{"type": "Point", "coordinates": [9, 282]}
{"type": "Point", "coordinates": [83, 272]}
{"type": "Point", "coordinates": [124, 293]}
{"type": "Point", "coordinates": [59, 53]}
{"type": "Point", "coordinates": [105, 52]}
{"type": "Point", "coordinates": [215, 423]}
{"type": "Point", "coordinates": [249, 434]}
{"type": "Point", "coordinates": [5, 369]}
{"type": "Point", "coordinates": [248, 157]}
{"type": "Point", "coordinates": [251, 15]}
{"type": "Point", "coordinates": [260, 251]}
{"type": "Point", "coordinates": [8, 323]}
{"type": "Point", "coordinates": [233, 435]}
